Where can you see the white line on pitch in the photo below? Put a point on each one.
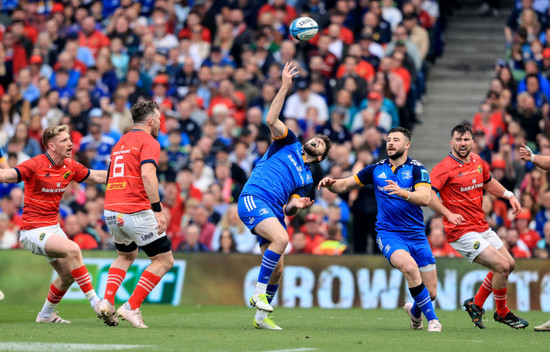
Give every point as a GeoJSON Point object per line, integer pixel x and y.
{"type": "Point", "coordinates": [294, 350]}
{"type": "Point", "coordinates": [46, 346]}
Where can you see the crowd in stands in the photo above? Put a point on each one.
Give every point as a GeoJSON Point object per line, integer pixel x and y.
{"type": "Point", "coordinates": [213, 67]}
{"type": "Point", "coordinates": [514, 111]}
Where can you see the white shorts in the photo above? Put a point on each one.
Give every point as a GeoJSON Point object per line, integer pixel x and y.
{"type": "Point", "coordinates": [472, 244]}
{"type": "Point", "coordinates": [35, 240]}
{"type": "Point", "coordinates": [137, 227]}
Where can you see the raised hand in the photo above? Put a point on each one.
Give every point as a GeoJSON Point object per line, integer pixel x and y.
{"type": "Point", "coordinates": [525, 152]}
{"type": "Point", "coordinates": [289, 71]}
{"type": "Point", "coordinates": [326, 182]}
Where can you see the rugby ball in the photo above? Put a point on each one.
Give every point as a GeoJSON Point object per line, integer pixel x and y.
{"type": "Point", "coordinates": [303, 28]}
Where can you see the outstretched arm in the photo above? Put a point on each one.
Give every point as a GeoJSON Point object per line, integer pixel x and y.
{"type": "Point", "coordinates": [527, 154]}
{"type": "Point", "coordinates": [420, 197]}
{"type": "Point", "coordinates": [97, 176]}
{"type": "Point", "coordinates": [342, 185]}
{"type": "Point", "coordinates": [8, 176]}
{"type": "Point", "coordinates": [277, 127]}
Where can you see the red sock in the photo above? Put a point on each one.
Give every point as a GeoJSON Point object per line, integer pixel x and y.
{"type": "Point", "coordinates": [114, 280]}
{"type": "Point", "coordinates": [500, 300]}
{"type": "Point", "coordinates": [55, 295]}
{"type": "Point", "coordinates": [82, 278]}
{"type": "Point", "coordinates": [146, 284]}
{"type": "Point", "coordinates": [484, 290]}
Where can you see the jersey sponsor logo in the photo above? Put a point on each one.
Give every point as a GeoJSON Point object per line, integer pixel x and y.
{"type": "Point", "coordinates": [59, 184]}
{"type": "Point", "coordinates": [387, 248]}
{"type": "Point", "coordinates": [47, 174]}
{"type": "Point", "coordinates": [406, 174]}
{"type": "Point", "coordinates": [474, 181]}
{"type": "Point", "coordinates": [42, 235]}
{"type": "Point", "coordinates": [469, 188]}
{"type": "Point", "coordinates": [476, 245]}
{"type": "Point", "coordinates": [116, 185]}
{"type": "Point", "coordinates": [263, 211]}
{"type": "Point", "coordinates": [298, 168]}
{"type": "Point", "coordinates": [66, 175]}
{"type": "Point", "coordinates": [119, 220]}
{"type": "Point", "coordinates": [382, 175]}
{"type": "Point", "coordinates": [148, 236]}
{"type": "Point", "coordinates": [53, 190]}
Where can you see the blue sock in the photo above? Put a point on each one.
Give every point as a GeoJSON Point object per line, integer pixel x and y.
{"type": "Point", "coordinates": [269, 262]}
{"type": "Point", "coordinates": [422, 301]}
{"type": "Point", "coordinates": [271, 291]}
{"type": "Point", "coordinates": [415, 310]}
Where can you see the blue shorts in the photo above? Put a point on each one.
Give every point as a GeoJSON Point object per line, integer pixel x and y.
{"type": "Point", "coordinates": [253, 210]}
{"type": "Point", "coordinates": [417, 246]}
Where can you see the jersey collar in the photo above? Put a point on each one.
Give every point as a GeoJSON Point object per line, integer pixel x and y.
{"type": "Point", "coordinates": [456, 159]}
{"type": "Point", "coordinates": [396, 168]}
{"type": "Point", "coordinates": [50, 158]}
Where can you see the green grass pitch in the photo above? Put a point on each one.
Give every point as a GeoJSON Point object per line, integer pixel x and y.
{"type": "Point", "coordinates": [215, 328]}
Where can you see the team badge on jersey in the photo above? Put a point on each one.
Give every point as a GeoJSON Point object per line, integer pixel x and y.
{"type": "Point", "coordinates": [66, 174]}
{"type": "Point", "coordinates": [424, 175]}
{"type": "Point", "coordinates": [42, 235]}
{"type": "Point", "coordinates": [476, 245]}
{"type": "Point", "coordinates": [119, 220]}
{"type": "Point", "coordinates": [479, 169]}
{"type": "Point", "coordinates": [407, 174]}
{"type": "Point", "coordinates": [263, 211]}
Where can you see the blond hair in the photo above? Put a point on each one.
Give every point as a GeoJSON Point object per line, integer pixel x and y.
{"type": "Point", "coordinates": [51, 132]}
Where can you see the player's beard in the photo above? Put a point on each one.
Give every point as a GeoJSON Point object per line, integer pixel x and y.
{"type": "Point", "coordinates": [309, 150]}
{"type": "Point", "coordinates": [460, 153]}
{"type": "Point", "coordinates": [397, 154]}
{"type": "Point", "coordinates": [155, 132]}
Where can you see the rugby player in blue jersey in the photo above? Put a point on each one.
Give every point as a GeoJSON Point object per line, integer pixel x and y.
{"type": "Point", "coordinates": [277, 186]}
{"type": "Point", "coordinates": [401, 186]}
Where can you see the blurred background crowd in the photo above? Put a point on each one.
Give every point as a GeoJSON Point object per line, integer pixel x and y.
{"type": "Point", "coordinates": [214, 67]}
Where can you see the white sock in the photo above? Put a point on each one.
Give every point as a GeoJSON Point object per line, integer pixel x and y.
{"type": "Point", "coordinates": [92, 298]}
{"type": "Point", "coordinates": [260, 315]}
{"type": "Point", "coordinates": [47, 309]}
{"type": "Point", "coordinates": [260, 289]}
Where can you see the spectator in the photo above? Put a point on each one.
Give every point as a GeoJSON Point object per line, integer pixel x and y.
{"type": "Point", "coordinates": [516, 246]}
{"type": "Point", "coordinates": [528, 236]}
{"type": "Point", "coordinates": [245, 241]}
{"type": "Point", "coordinates": [21, 142]}
{"type": "Point", "coordinates": [75, 232]}
{"type": "Point", "coordinates": [8, 237]}
{"type": "Point", "coordinates": [440, 246]}
{"type": "Point", "coordinates": [192, 243]}
{"type": "Point", "coordinates": [227, 242]}
{"type": "Point", "coordinates": [334, 244]}
{"type": "Point", "coordinates": [543, 247]}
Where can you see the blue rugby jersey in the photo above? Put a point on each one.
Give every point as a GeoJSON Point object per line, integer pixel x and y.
{"type": "Point", "coordinates": [280, 173]}
{"type": "Point", "coordinates": [394, 213]}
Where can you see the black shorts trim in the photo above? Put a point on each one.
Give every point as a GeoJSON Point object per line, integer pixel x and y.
{"type": "Point", "coordinates": [121, 247]}
{"type": "Point", "coordinates": [162, 245]}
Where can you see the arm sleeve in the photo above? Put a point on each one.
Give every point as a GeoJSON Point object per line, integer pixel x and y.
{"type": "Point", "coordinates": [288, 138]}
{"type": "Point", "coordinates": [150, 152]}
{"type": "Point", "coordinates": [421, 177]}
{"type": "Point", "coordinates": [303, 191]}
{"type": "Point", "coordinates": [438, 177]}
{"type": "Point", "coordinates": [26, 169]}
{"type": "Point", "coordinates": [486, 174]}
{"type": "Point", "coordinates": [364, 176]}
{"type": "Point", "coordinates": [81, 172]}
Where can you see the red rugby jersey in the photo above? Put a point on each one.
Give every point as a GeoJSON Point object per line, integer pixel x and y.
{"type": "Point", "coordinates": [45, 183]}
{"type": "Point", "coordinates": [460, 187]}
{"type": "Point", "coordinates": [125, 191]}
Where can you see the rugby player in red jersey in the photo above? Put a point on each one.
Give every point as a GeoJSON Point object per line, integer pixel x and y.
{"type": "Point", "coordinates": [46, 177]}
{"type": "Point", "coordinates": [460, 179]}
{"type": "Point", "coordinates": [134, 214]}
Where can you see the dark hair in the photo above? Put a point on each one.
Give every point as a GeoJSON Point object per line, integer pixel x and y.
{"type": "Point", "coordinates": [142, 110]}
{"type": "Point", "coordinates": [462, 128]}
{"type": "Point", "coordinates": [328, 144]}
{"type": "Point", "coordinates": [403, 130]}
